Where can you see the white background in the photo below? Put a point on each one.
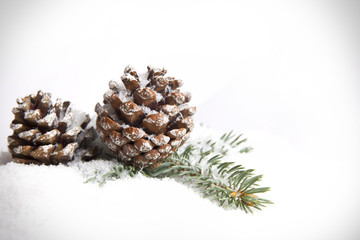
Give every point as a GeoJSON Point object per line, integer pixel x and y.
{"type": "Point", "coordinates": [286, 73]}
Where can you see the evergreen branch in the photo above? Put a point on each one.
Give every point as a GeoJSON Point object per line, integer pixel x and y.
{"type": "Point", "coordinates": [226, 183]}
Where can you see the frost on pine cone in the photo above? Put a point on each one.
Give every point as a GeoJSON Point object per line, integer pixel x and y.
{"type": "Point", "coordinates": [47, 133]}
{"type": "Point", "coordinates": [145, 118]}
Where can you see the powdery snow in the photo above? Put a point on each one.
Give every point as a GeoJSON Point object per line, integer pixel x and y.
{"type": "Point", "coordinates": [53, 202]}
{"type": "Point", "coordinates": [49, 119]}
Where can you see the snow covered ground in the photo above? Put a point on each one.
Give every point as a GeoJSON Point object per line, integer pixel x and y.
{"type": "Point", "coordinates": [285, 73]}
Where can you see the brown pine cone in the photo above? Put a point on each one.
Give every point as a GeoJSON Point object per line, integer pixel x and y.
{"type": "Point", "coordinates": [47, 133]}
{"type": "Point", "coordinates": [145, 118]}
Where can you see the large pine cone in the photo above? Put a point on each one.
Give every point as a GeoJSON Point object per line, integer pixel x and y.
{"type": "Point", "coordinates": [44, 133]}
{"type": "Point", "coordinates": [145, 118]}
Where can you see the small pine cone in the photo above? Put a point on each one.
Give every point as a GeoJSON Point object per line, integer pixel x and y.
{"type": "Point", "coordinates": [145, 117]}
{"type": "Point", "coordinates": [47, 133]}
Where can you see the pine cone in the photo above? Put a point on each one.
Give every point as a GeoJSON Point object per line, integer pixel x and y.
{"type": "Point", "coordinates": [44, 133]}
{"type": "Point", "coordinates": [146, 118]}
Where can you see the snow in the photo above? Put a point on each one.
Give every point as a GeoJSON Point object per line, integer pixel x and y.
{"type": "Point", "coordinates": [183, 106]}
{"type": "Point", "coordinates": [178, 132]}
{"type": "Point", "coordinates": [74, 131]}
{"type": "Point", "coordinates": [143, 81]}
{"type": "Point", "coordinates": [46, 148]}
{"type": "Point", "coordinates": [165, 149]}
{"type": "Point", "coordinates": [18, 150]}
{"type": "Point", "coordinates": [145, 146]}
{"type": "Point", "coordinates": [160, 141]}
{"type": "Point", "coordinates": [69, 149]}
{"type": "Point", "coordinates": [69, 116]}
{"type": "Point", "coordinates": [28, 134]}
{"type": "Point", "coordinates": [53, 133]}
{"type": "Point", "coordinates": [49, 119]}
{"type": "Point", "coordinates": [147, 111]}
{"type": "Point", "coordinates": [78, 117]}
{"type": "Point", "coordinates": [130, 109]}
{"type": "Point", "coordinates": [133, 134]}
{"type": "Point", "coordinates": [114, 86]}
{"type": "Point", "coordinates": [171, 110]}
{"type": "Point", "coordinates": [53, 202]}
{"type": "Point", "coordinates": [159, 97]}
{"type": "Point", "coordinates": [32, 114]}
{"type": "Point", "coordinates": [159, 119]}
{"type": "Point", "coordinates": [176, 142]}
{"type": "Point", "coordinates": [16, 126]}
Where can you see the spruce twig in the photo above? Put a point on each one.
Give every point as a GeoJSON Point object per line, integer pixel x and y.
{"type": "Point", "coordinates": [203, 168]}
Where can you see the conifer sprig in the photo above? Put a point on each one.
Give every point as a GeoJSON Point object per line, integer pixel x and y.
{"type": "Point", "coordinates": [203, 168]}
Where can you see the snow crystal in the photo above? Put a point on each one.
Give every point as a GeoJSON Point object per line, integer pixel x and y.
{"type": "Point", "coordinates": [105, 124]}
{"type": "Point", "coordinates": [168, 89]}
{"type": "Point", "coordinates": [49, 119]}
{"type": "Point", "coordinates": [152, 155]}
{"type": "Point", "coordinates": [124, 125]}
{"type": "Point", "coordinates": [16, 126]}
{"type": "Point", "coordinates": [130, 108]}
{"type": "Point", "coordinates": [159, 121]}
{"type": "Point", "coordinates": [159, 97]}
{"type": "Point", "coordinates": [69, 116]}
{"type": "Point", "coordinates": [143, 81]}
{"type": "Point", "coordinates": [114, 86]}
{"type": "Point", "coordinates": [128, 76]}
{"type": "Point", "coordinates": [178, 98]}
{"type": "Point", "coordinates": [52, 133]}
{"type": "Point", "coordinates": [175, 143]}
{"type": "Point", "coordinates": [116, 141]}
{"type": "Point", "coordinates": [111, 112]}
{"type": "Point", "coordinates": [165, 149]}
{"type": "Point", "coordinates": [125, 95]}
{"type": "Point", "coordinates": [70, 149]}
{"type": "Point", "coordinates": [32, 114]}
{"type": "Point", "coordinates": [180, 82]}
{"type": "Point", "coordinates": [145, 147]}
{"type": "Point", "coordinates": [133, 134]}
{"type": "Point", "coordinates": [160, 141]}
{"type": "Point", "coordinates": [18, 150]}
{"type": "Point", "coordinates": [19, 100]}
{"type": "Point", "coordinates": [74, 131]}
{"type": "Point", "coordinates": [187, 120]}
{"type": "Point", "coordinates": [46, 148]}
{"type": "Point", "coordinates": [107, 95]}
{"type": "Point", "coordinates": [23, 103]}
{"type": "Point", "coordinates": [186, 136]}
{"type": "Point", "coordinates": [178, 132]}
{"type": "Point", "coordinates": [172, 110]}
{"type": "Point", "coordinates": [28, 133]}
{"type": "Point", "coordinates": [148, 111]}
{"type": "Point", "coordinates": [130, 151]}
